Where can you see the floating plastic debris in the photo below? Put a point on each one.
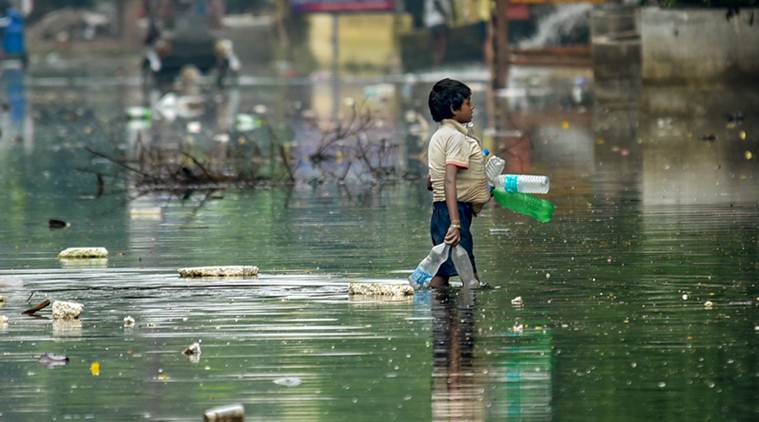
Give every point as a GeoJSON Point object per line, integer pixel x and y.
{"type": "Point", "coordinates": [95, 369]}
{"type": "Point", "coordinates": [495, 231]}
{"type": "Point", "coordinates": [128, 321]}
{"type": "Point", "coordinates": [192, 350]}
{"type": "Point", "coordinates": [288, 381]}
{"type": "Point", "coordinates": [83, 253]}
{"type": "Point", "coordinates": [685, 297]}
{"type": "Point", "coordinates": [517, 301]}
{"type": "Point", "coordinates": [67, 310]}
{"type": "Point", "coordinates": [3, 319]}
{"type": "Point", "coordinates": [57, 224]}
{"type": "Point", "coordinates": [146, 213]}
{"type": "Point", "coordinates": [708, 304]}
{"type": "Point", "coordinates": [225, 271]}
{"type": "Point", "coordinates": [229, 413]}
{"type": "Point", "coordinates": [51, 360]}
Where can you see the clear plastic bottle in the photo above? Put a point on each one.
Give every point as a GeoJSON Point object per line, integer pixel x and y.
{"type": "Point", "coordinates": [493, 168]}
{"type": "Point", "coordinates": [420, 278]}
{"type": "Point", "coordinates": [464, 267]}
{"type": "Point", "coordinates": [523, 183]}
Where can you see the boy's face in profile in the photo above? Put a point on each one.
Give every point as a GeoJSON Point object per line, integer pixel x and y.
{"type": "Point", "coordinates": [464, 114]}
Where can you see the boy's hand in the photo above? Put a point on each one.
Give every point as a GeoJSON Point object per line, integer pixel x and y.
{"type": "Point", "coordinates": [453, 236]}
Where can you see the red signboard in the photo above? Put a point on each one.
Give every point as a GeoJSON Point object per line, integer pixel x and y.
{"type": "Point", "coordinates": [340, 6]}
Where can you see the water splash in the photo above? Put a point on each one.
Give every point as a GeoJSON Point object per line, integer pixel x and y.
{"type": "Point", "coordinates": [565, 20]}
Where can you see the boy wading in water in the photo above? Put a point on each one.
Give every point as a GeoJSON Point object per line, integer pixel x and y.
{"type": "Point", "coordinates": [456, 173]}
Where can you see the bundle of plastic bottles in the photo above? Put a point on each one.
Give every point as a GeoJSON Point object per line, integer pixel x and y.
{"type": "Point", "coordinates": [512, 191]}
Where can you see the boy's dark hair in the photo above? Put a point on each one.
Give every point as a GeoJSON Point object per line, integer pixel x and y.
{"type": "Point", "coordinates": [446, 95]}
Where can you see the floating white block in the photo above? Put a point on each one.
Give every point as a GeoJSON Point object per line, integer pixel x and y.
{"type": "Point", "coordinates": [67, 310]}
{"type": "Point", "coordinates": [86, 252]}
{"type": "Point", "coordinates": [380, 289]}
{"type": "Point", "coordinates": [227, 271]}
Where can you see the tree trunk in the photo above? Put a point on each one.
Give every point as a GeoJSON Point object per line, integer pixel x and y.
{"type": "Point", "coordinates": [497, 50]}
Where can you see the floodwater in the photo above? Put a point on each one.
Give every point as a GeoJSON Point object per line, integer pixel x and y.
{"type": "Point", "coordinates": [657, 212]}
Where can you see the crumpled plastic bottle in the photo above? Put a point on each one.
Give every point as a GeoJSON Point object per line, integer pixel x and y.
{"type": "Point", "coordinates": [422, 275]}
{"type": "Point", "coordinates": [464, 267]}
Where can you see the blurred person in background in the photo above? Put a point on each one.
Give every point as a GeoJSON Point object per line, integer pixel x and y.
{"type": "Point", "coordinates": [438, 14]}
{"type": "Point", "coordinates": [12, 24]}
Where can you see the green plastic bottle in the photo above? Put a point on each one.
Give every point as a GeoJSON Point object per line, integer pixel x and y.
{"type": "Point", "coordinates": [525, 204]}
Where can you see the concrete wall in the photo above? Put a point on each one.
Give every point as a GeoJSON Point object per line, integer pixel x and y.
{"type": "Point", "coordinates": [615, 41]}
{"type": "Point", "coordinates": [365, 40]}
{"type": "Point", "coordinates": [699, 45]}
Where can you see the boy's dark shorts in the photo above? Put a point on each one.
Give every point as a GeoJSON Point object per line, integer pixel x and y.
{"type": "Point", "coordinates": [439, 227]}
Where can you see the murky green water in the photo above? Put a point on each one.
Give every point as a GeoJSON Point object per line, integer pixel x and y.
{"type": "Point", "coordinates": [651, 222]}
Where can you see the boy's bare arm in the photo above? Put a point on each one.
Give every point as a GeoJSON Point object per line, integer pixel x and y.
{"type": "Point", "coordinates": [453, 236]}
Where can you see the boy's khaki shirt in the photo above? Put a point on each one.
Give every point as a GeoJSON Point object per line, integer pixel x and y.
{"type": "Point", "coordinates": [452, 144]}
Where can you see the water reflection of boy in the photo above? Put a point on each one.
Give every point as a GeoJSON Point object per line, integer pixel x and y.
{"type": "Point", "coordinates": [455, 392]}
{"type": "Point", "coordinates": [456, 173]}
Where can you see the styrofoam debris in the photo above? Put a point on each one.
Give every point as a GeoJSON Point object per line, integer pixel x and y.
{"type": "Point", "coordinates": [380, 289]}
{"type": "Point", "coordinates": [288, 381]}
{"type": "Point", "coordinates": [192, 350]}
{"type": "Point", "coordinates": [227, 271]}
{"type": "Point", "coordinates": [85, 252]}
{"type": "Point", "coordinates": [67, 310]}
{"type": "Point", "coordinates": [128, 321]}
